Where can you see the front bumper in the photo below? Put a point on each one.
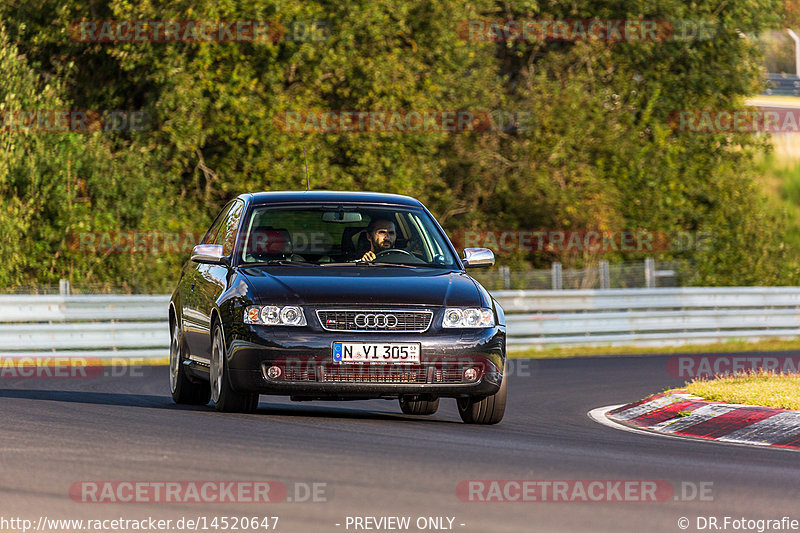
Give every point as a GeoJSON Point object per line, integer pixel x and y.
{"type": "Point", "coordinates": [307, 370]}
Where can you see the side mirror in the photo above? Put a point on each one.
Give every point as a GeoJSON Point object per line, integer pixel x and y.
{"type": "Point", "coordinates": [208, 253]}
{"type": "Point", "coordinates": [478, 257]}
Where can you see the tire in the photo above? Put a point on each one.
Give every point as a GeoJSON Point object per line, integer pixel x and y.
{"type": "Point", "coordinates": [488, 410]}
{"type": "Point", "coordinates": [418, 407]}
{"type": "Point", "coordinates": [225, 398]}
{"type": "Point", "coordinates": [183, 390]}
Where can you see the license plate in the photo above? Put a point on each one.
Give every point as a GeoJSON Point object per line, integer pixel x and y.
{"type": "Point", "coordinates": [364, 352]}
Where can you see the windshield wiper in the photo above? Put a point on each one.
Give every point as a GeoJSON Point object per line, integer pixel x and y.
{"type": "Point", "coordinates": [370, 264]}
{"type": "Point", "coordinates": [405, 265]}
{"type": "Point", "coordinates": [280, 262]}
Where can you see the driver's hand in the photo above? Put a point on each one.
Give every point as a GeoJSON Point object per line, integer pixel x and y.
{"type": "Point", "coordinates": [369, 256]}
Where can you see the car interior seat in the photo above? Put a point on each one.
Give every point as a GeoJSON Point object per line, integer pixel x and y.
{"type": "Point", "coordinates": [266, 243]}
{"type": "Point", "coordinates": [353, 240]}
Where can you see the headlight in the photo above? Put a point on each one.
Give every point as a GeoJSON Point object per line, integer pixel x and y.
{"type": "Point", "coordinates": [272, 315]}
{"type": "Point", "coordinates": [470, 317]}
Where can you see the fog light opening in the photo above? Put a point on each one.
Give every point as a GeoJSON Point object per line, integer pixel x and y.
{"type": "Point", "coordinates": [274, 372]}
{"type": "Point", "coordinates": [471, 374]}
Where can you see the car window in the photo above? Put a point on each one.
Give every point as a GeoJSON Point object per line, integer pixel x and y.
{"type": "Point", "coordinates": [424, 228]}
{"type": "Point", "coordinates": [318, 235]}
{"type": "Point", "coordinates": [226, 236]}
{"type": "Point", "coordinates": [211, 235]}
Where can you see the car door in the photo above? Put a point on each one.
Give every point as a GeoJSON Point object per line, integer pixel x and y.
{"type": "Point", "coordinates": [213, 279]}
{"type": "Point", "coordinates": [194, 323]}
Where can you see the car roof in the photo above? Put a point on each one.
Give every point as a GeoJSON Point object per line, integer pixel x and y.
{"type": "Point", "coordinates": [278, 197]}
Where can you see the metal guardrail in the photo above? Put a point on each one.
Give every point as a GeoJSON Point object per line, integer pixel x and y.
{"type": "Point", "coordinates": [649, 317]}
{"type": "Point", "coordinates": [136, 326]}
{"type": "Point", "coordinates": [784, 85]}
{"type": "Point", "coordinates": [84, 326]}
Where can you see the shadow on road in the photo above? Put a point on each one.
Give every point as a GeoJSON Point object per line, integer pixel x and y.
{"type": "Point", "coordinates": [150, 401]}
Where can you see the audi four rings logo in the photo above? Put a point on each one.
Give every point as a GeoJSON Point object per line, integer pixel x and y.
{"type": "Point", "coordinates": [375, 320]}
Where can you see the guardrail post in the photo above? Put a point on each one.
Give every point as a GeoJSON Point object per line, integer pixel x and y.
{"type": "Point", "coordinates": [556, 275]}
{"type": "Point", "coordinates": [605, 278]}
{"type": "Point", "coordinates": [649, 273]}
{"type": "Point", "coordinates": [505, 271]}
{"type": "Point", "coordinates": [796, 40]}
{"type": "Point", "coordinates": [63, 287]}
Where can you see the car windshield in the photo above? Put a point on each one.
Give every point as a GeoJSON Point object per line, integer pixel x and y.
{"type": "Point", "coordinates": [338, 235]}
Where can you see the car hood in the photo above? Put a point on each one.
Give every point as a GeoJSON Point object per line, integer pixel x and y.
{"type": "Point", "coordinates": [362, 285]}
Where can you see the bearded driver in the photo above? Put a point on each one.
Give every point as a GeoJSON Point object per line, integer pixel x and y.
{"type": "Point", "coordinates": [381, 235]}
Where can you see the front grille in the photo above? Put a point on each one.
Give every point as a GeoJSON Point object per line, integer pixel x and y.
{"type": "Point", "coordinates": [367, 373]}
{"type": "Point", "coordinates": [375, 374]}
{"type": "Point", "coordinates": [377, 320]}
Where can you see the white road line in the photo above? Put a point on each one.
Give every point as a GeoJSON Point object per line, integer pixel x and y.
{"type": "Point", "coordinates": [599, 416]}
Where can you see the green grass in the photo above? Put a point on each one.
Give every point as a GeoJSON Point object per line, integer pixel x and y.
{"type": "Point", "coordinates": [779, 178]}
{"type": "Point", "coordinates": [779, 173]}
{"type": "Point", "coordinates": [733, 346]}
{"type": "Point", "coordinates": [768, 389]}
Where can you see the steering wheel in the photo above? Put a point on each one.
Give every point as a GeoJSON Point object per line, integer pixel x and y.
{"type": "Point", "coordinates": [391, 250]}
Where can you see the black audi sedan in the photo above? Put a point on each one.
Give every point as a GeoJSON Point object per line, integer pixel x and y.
{"type": "Point", "coordinates": [320, 295]}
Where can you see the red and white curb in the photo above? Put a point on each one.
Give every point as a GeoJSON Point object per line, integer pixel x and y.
{"type": "Point", "coordinates": [678, 413]}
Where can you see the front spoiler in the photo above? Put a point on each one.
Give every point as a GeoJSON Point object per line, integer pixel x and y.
{"type": "Point", "coordinates": [248, 361]}
{"type": "Point", "coordinates": [254, 381]}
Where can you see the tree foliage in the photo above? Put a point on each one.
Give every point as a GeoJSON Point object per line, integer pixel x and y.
{"type": "Point", "coordinates": [596, 152]}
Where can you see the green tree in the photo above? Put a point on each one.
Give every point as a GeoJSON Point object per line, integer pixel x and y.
{"type": "Point", "coordinates": [599, 152]}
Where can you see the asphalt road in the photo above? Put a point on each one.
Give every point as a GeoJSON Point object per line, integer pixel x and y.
{"type": "Point", "coordinates": [375, 461]}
